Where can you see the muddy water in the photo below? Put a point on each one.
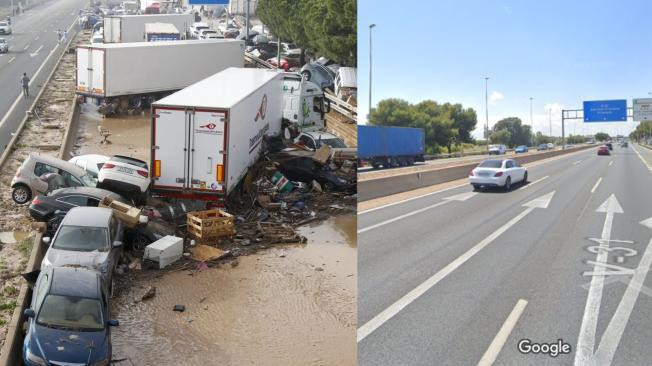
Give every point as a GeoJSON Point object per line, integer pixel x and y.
{"type": "Point", "coordinates": [130, 135]}
{"type": "Point", "coordinates": [291, 305]}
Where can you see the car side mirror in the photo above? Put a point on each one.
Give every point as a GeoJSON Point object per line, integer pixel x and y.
{"type": "Point", "coordinates": [46, 240]}
{"type": "Point", "coordinates": [117, 244]}
{"type": "Point", "coordinates": [111, 323]}
{"type": "Point", "coordinates": [29, 313]}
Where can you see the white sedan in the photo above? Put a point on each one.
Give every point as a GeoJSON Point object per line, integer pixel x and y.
{"type": "Point", "coordinates": [125, 175]}
{"type": "Point", "coordinates": [497, 173]}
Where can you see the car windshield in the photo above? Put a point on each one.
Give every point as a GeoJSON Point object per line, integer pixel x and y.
{"type": "Point", "coordinates": [89, 180]}
{"type": "Point", "coordinates": [334, 143]}
{"type": "Point", "coordinates": [70, 312]}
{"type": "Point", "coordinates": [126, 160]}
{"type": "Point", "coordinates": [491, 164]}
{"type": "Point", "coordinates": [82, 239]}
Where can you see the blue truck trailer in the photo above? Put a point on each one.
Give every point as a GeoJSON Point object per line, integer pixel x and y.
{"type": "Point", "coordinates": [389, 146]}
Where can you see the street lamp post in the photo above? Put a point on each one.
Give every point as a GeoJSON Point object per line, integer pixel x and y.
{"type": "Point", "coordinates": [486, 109]}
{"type": "Point", "coordinates": [371, 27]}
{"type": "Point", "coordinates": [550, 120]}
{"type": "Point", "coordinates": [531, 120]}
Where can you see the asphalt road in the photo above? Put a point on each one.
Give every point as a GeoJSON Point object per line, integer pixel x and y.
{"type": "Point", "coordinates": [457, 277]}
{"type": "Point", "coordinates": [33, 48]}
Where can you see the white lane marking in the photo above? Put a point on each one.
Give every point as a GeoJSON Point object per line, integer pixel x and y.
{"type": "Point", "coordinates": [643, 160]}
{"type": "Point", "coordinates": [10, 61]}
{"type": "Point", "coordinates": [586, 339]}
{"type": "Point", "coordinates": [36, 38]}
{"type": "Point", "coordinates": [410, 199]}
{"type": "Point", "coordinates": [20, 96]}
{"type": "Point", "coordinates": [595, 186]}
{"type": "Point", "coordinates": [380, 319]}
{"type": "Point", "coordinates": [26, 47]}
{"type": "Point", "coordinates": [577, 162]}
{"type": "Point", "coordinates": [497, 344]}
{"type": "Point", "coordinates": [611, 162]}
{"type": "Point", "coordinates": [458, 197]}
{"type": "Point", "coordinates": [611, 337]}
{"type": "Point", "coordinates": [35, 53]}
{"type": "Point", "coordinates": [535, 182]}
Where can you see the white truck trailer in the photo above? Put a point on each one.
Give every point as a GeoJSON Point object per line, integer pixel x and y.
{"type": "Point", "coordinates": [206, 136]}
{"type": "Point", "coordinates": [157, 32]}
{"type": "Point", "coordinates": [131, 73]}
{"type": "Point", "coordinates": [131, 28]}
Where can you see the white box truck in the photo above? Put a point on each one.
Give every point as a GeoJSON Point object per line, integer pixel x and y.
{"type": "Point", "coordinates": [120, 73]}
{"type": "Point", "coordinates": [157, 32]}
{"type": "Point", "coordinates": [131, 28]}
{"type": "Point", "coordinates": [206, 136]}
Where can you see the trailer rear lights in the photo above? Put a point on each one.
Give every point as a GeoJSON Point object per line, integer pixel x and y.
{"type": "Point", "coordinates": [143, 173]}
{"type": "Point", "coordinates": [157, 168]}
{"type": "Point", "coordinates": [220, 173]}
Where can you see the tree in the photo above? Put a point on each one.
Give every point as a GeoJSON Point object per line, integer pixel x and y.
{"type": "Point", "coordinates": [602, 136]}
{"type": "Point", "coordinates": [540, 138]}
{"type": "Point", "coordinates": [502, 136]}
{"type": "Point", "coordinates": [519, 134]}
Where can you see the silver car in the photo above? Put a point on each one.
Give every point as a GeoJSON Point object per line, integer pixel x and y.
{"type": "Point", "coordinates": [318, 74]}
{"type": "Point", "coordinates": [89, 237]}
{"type": "Point", "coordinates": [497, 173]}
{"type": "Point", "coordinates": [27, 181]}
{"type": "Point", "coordinates": [4, 46]}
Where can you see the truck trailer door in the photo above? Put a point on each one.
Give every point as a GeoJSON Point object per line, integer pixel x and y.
{"type": "Point", "coordinates": [169, 152]}
{"type": "Point", "coordinates": [207, 154]}
{"type": "Point", "coordinates": [96, 72]}
{"type": "Point", "coordinates": [83, 70]}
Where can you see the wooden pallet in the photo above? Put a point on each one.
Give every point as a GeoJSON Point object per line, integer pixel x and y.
{"type": "Point", "coordinates": [210, 224]}
{"type": "Point", "coordinates": [128, 214]}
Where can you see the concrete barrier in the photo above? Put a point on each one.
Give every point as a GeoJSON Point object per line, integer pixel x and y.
{"type": "Point", "coordinates": [381, 187]}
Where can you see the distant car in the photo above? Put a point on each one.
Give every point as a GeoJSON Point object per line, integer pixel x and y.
{"type": "Point", "coordinates": [92, 163]}
{"type": "Point", "coordinates": [213, 36]}
{"type": "Point", "coordinates": [203, 34]}
{"type": "Point", "coordinates": [609, 145]}
{"type": "Point", "coordinates": [68, 304]}
{"type": "Point", "coordinates": [603, 150]}
{"type": "Point", "coordinates": [315, 140]}
{"type": "Point", "coordinates": [4, 46]}
{"type": "Point", "coordinates": [624, 144]}
{"type": "Point", "coordinates": [346, 82]}
{"type": "Point", "coordinates": [318, 74]}
{"type": "Point", "coordinates": [27, 181]}
{"type": "Point", "coordinates": [497, 149]}
{"type": "Point", "coordinates": [231, 33]}
{"type": "Point", "coordinates": [286, 63]}
{"type": "Point", "coordinates": [521, 149]}
{"type": "Point", "coordinates": [551, 146]}
{"type": "Point", "coordinates": [305, 169]}
{"type": "Point", "coordinates": [125, 175]}
{"type": "Point", "coordinates": [290, 49]}
{"type": "Point", "coordinates": [43, 208]}
{"type": "Point", "coordinates": [497, 173]}
{"type": "Point", "coordinates": [5, 27]}
{"type": "Point", "coordinates": [542, 147]}
{"type": "Point", "coordinates": [89, 237]}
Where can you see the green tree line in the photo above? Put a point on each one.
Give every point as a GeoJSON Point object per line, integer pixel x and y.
{"type": "Point", "coordinates": [642, 131]}
{"type": "Point", "coordinates": [326, 27]}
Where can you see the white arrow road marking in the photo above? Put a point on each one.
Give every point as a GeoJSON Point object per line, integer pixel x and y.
{"type": "Point", "coordinates": [458, 197]}
{"type": "Point", "coordinates": [595, 186]}
{"type": "Point", "coordinates": [535, 182]}
{"type": "Point", "coordinates": [497, 344]}
{"type": "Point", "coordinates": [400, 304]}
{"type": "Point", "coordinates": [577, 162]}
{"type": "Point", "coordinates": [35, 53]}
{"type": "Point", "coordinates": [25, 48]}
{"type": "Point", "coordinates": [586, 339]}
{"type": "Point", "coordinates": [611, 337]}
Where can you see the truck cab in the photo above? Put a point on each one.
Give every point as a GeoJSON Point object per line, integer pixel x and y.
{"type": "Point", "coordinates": [304, 104]}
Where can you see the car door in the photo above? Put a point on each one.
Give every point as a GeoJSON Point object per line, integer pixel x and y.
{"type": "Point", "coordinates": [39, 169]}
{"type": "Point", "coordinates": [509, 170]}
{"type": "Point", "coordinates": [519, 171]}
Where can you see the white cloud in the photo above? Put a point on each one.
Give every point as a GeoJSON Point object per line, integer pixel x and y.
{"type": "Point", "coordinates": [494, 97]}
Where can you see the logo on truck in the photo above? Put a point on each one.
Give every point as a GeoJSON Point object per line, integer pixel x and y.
{"type": "Point", "coordinates": [262, 109]}
{"type": "Point", "coordinates": [210, 126]}
{"type": "Point", "coordinates": [208, 129]}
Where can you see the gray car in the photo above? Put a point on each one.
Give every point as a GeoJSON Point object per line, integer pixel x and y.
{"type": "Point", "coordinates": [89, 237]}
{"type": "Point", "coordinates": [4, 46]}
{"type": "Point", "coordinates": [318, 74]}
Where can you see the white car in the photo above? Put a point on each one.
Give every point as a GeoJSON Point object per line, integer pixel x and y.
{"type": "Point", "coordinates": [497, 173]}
{"type": "Point", "coordinates": [122, 174]}
{"type": "Point", "coordinates": [91, 163]}
{"type": "Point", "coordinates": [203, 34]}
{"type": "Point", "coordinates": [551, 145]}
{"type": "Point", "coordinates": [195, 28]}
{"type": "Point", "coordinates": [5, 28]}
{"type": "Point", "coordinates": [315, 140]}
{"type": "Point", "coordinates": [497, 149]}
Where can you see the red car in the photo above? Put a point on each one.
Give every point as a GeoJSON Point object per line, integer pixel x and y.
{"type": "Point", "coordinates": [603, 150]}
{"type": "Point", "coordinates": [286, 63]}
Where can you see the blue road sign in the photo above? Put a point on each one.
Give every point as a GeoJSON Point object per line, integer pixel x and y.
{"type": "Point", "coordinates": [605, 111]}
{"type": "Point", "coordinates": [208, 2]}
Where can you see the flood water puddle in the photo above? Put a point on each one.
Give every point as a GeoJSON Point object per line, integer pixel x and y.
{"type": "Point", "coordinates": [288, 305]}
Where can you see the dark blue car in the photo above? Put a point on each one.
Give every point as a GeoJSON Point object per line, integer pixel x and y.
{"type": "Point", "coordinates": [68, 321]}
{"type": "Point", "coordinates": [521, 149]}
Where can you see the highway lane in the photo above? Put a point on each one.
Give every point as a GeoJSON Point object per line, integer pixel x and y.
{"type": "Point", "coordinates": [533, 254]}
{"type": "Point", "coordinates": [34, 50]}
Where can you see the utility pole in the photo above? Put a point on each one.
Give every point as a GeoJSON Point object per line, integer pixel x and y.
{"type": "Point", "coordinates": [371, 27]}
{"type": "Point", "coordinates": [550, 120]}
{"type": "Point", "coordinates": [531, 120]}
{"type": "Point", "coordinates": [486, 109]}
{"type": "Point", "coordinates": [247, 25]}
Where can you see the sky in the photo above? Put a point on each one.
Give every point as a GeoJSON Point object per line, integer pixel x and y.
{"type": "Point", "coordinates": [560, 53]}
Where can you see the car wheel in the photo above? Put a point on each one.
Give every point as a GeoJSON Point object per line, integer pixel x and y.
{"type": "Point", "coordinates": [476, 187]}
{"type": "Point", "coordinates": [306, 75]}
{"type": "Point", "coordinates": [508, 183]}
{"type": "Point", "coordinates": [525, 178]}
{"type": "Point", "coordinates": [21, 194]}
